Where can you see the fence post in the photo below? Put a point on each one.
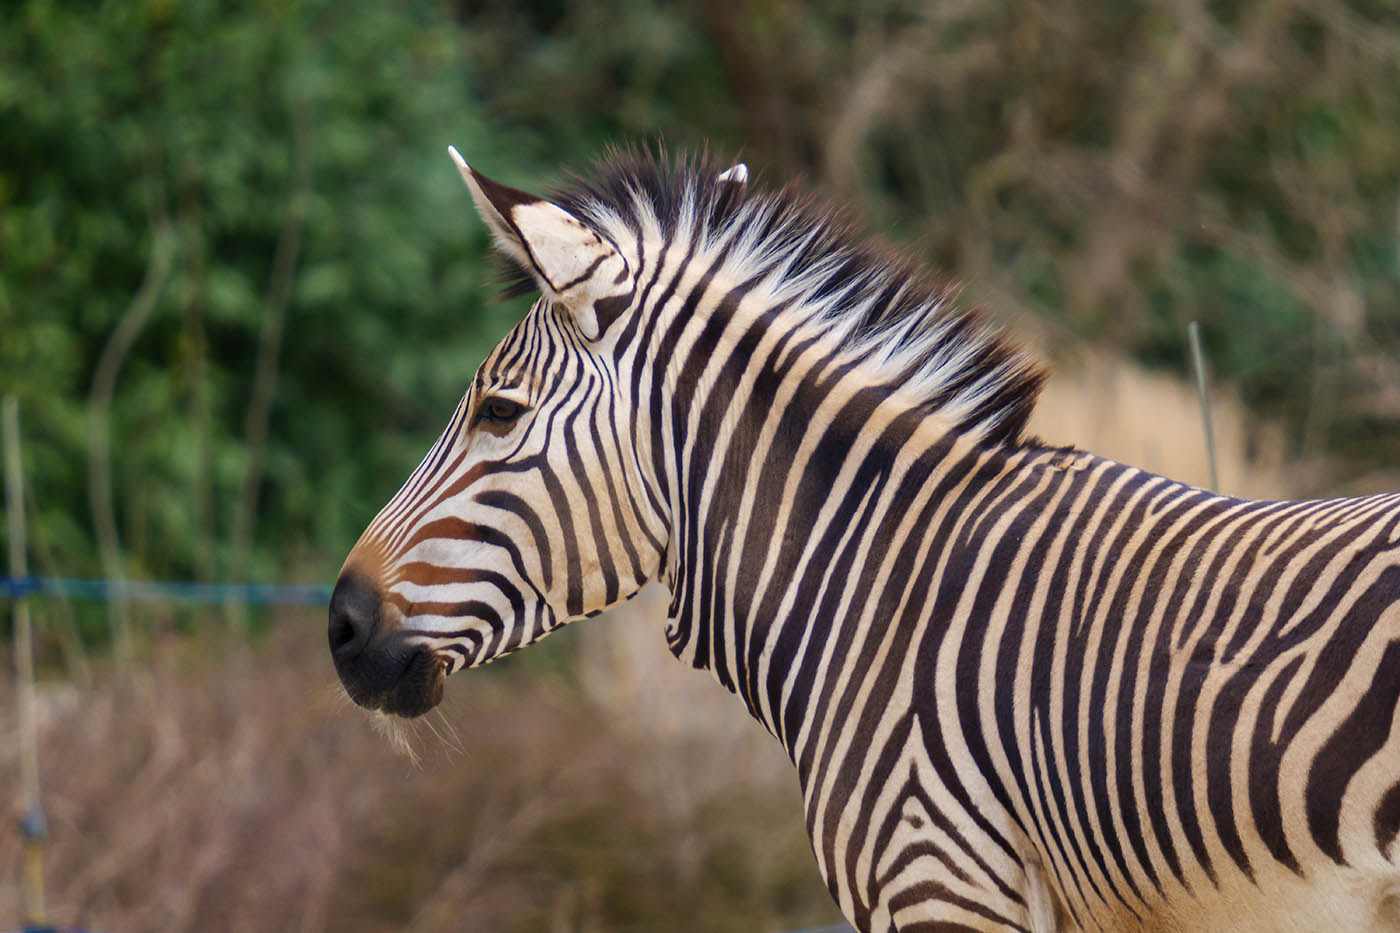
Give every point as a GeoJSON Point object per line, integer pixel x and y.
{"type": "Point", "coordinates": [1198, 362]}
{"type": "Point", "coordinates": [32, 826]}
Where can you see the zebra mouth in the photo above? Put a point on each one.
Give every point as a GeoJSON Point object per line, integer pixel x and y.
{"type": "Point", "coordinates": [419, 688]}
{"type": "Point", "coordinates": [415, 691]}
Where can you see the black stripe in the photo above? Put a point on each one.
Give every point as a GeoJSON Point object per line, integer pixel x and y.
{"type": "Point", "coordinates": [1364, 732]}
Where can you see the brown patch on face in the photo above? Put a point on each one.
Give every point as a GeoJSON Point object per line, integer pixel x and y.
{"type": "Point", "coordinates": [368, 559]}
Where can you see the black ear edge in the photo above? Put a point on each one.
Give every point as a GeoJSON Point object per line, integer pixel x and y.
{"type": "Point", "coordinates": [503, 198]}
{"type": "Point", "coordinates": [500, 198]}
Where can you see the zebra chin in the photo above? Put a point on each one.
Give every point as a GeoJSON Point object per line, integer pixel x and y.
{"type": "Point", "coordinates": [379, 670]}
{"type": "Point", "coordinates": [413, 688]}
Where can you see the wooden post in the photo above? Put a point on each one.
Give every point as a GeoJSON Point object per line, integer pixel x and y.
{"type": "Point", "coordinates": [1198, 363]}
{"type": "Point", "coordinates": [32, 826]}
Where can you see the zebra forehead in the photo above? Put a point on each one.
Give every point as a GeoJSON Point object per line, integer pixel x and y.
{"type": "Point", "coordinates": [873, 298]}
{"type": "Point", "coordinates": [518, 354]}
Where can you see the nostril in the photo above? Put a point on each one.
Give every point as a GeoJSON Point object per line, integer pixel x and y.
{"type": "Point", "coordinates": [354, 616]}
{"type": "Point", "coordinates": [342, 633]}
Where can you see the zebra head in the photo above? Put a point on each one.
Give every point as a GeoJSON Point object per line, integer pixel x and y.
{"type": "Point", "coordinates": [532, 509]}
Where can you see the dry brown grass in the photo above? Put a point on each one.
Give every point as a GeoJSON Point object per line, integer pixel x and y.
{"type": "Point", "coordinates": [1105, 404]}
{"type": "Point", "coordinates": [243, 793]}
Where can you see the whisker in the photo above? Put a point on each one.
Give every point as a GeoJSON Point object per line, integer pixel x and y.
{"type": "Point", "coordinates": [399, 734]}
{"type": "Point", "coordinates": [448, 735]}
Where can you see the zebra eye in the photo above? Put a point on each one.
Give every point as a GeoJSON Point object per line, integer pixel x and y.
{"type": "Point", "coordinates": [498, 411]}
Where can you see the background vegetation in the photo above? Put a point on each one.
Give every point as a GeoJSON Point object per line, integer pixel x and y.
{"type": "Point", "coordinates": [241, 287]}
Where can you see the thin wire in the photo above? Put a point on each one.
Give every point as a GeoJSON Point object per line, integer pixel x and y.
{"type": "Point", "coordinates": [278, 594]}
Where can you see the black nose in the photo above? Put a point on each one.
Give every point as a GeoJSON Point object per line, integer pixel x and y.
{"type": "Point", "coordinates": [354, 617]}
{"type": "Point", "coordinates": [379, 668]}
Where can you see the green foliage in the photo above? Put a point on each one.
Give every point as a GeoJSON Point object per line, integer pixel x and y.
{"type": "Point", "coordinates": [1120, 169]}
{"type": "Point", "coordinates": [235, 127]}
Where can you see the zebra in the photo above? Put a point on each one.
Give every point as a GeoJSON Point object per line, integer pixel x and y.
{"type": "Point", "coordinates": [1023, 687]}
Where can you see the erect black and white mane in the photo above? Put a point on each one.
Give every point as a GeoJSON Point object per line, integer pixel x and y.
{"type": "Point", "coordinates": [876, 301]}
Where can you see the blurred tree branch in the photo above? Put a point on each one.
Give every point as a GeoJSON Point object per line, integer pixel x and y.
{"type": "Point", "coordinates": [114, 353]}
{"type": "Point", "coordinates": [279, 289]}
{"type": "Point", "coordinates": [195, 346]}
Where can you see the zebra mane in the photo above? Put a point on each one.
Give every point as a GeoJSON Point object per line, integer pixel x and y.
{"type": "Point", "coordinates": [877, 301]}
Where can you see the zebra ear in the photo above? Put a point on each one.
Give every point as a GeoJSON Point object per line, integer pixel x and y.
{"type": "Point", "coordinates": [573, 265]}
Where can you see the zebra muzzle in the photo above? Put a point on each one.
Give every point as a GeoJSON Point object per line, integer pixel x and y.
{"type": "Point", "coordinates": [378, 669]}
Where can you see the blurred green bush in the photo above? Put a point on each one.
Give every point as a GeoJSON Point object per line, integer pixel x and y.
{"type": "Point", "coordinates": [294, 155]}
{"type": "Point", "coordinates": [1116, 168]}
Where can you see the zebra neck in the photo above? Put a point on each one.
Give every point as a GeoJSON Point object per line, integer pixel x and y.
{"type": "Point", "coordinates": [791, 472]}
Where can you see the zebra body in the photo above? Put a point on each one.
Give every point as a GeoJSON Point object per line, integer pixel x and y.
{"type": "Point", "coordinates": [1023, 687]}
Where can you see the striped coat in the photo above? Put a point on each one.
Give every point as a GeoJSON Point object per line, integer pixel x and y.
{"type": "Point", "coordinates": [1023, 687]}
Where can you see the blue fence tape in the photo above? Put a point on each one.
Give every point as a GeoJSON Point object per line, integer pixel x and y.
{"type": "Point", "coordinates": [261, 594]}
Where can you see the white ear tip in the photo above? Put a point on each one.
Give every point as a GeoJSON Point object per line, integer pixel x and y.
{"type": "Point", "coordinates": [457, 158]}
{"type": "Point", "coordinates": [739, 174]}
